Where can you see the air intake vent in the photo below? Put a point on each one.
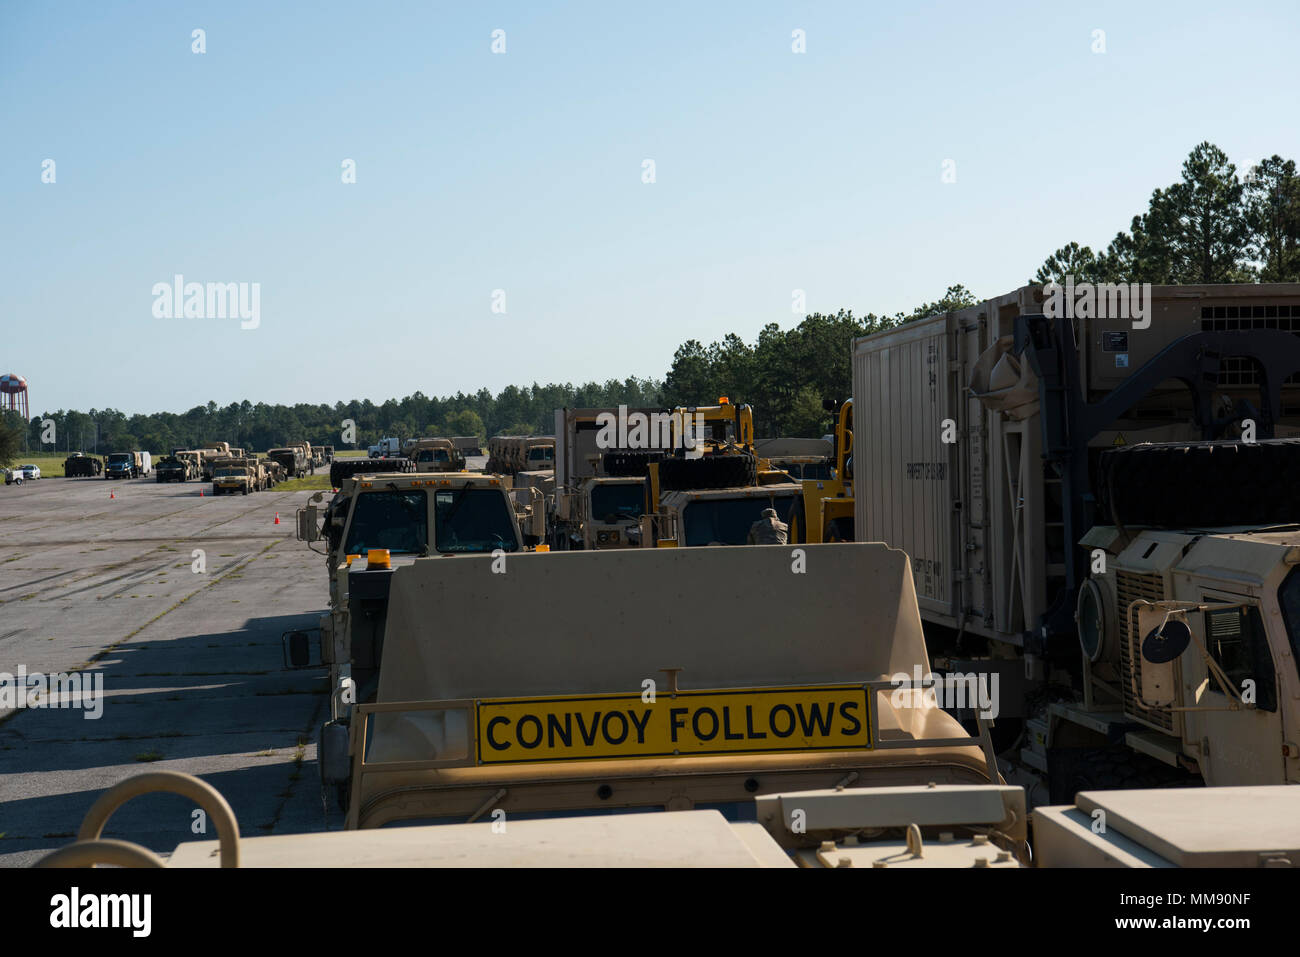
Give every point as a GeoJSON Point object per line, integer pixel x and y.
{"type": "Point", "coordinates": [1129, 587]}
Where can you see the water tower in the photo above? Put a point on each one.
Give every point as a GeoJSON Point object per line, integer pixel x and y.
{"type": "Point", "coordinates": [13, 394]}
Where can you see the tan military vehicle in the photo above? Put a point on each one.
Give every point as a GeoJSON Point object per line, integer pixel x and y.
{"type": "Point", "coordinates": [293, 459]}
{"type": "Point", "coordinates": [275, 473]}
{"type": "Point", "coordinates": [651, 714]}
{"type": "Point", "coordinates": [378, 523]}
{"type": "Point", "coordinates": [237, 476]}
{"type": "Point", "coordinates": [508, 454]}
{"type": "Point", "coordinates": [193, 459]}
{"type": "Point", "coordinates": [436, 455]}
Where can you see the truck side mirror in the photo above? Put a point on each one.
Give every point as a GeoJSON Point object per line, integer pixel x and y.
{"type": "Point", "coordinates": [308, 529]}
{"type": "Point", "coordinates": [1165, 638]}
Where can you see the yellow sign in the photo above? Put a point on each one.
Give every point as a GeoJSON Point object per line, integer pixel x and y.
{"type": "Point", "coordinates": [1119, 439]}
{"type": "Point", "coordinates": [743, 721]}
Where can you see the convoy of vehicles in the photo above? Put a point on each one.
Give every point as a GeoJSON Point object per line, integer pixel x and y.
{"type": "Point", "coordinates": [1093, 517]}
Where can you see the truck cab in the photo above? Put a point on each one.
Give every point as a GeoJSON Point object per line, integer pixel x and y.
{"type": "Point", "coordinates": [1190, 643]}
{"type": "Point", "coordinates": [381, 522]}
{"type": "Point", "coordinates": [123, 465]}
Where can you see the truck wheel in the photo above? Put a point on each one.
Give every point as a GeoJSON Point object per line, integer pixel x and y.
{"type": "Point", "coordinates": [1209, 484]}
{"type": "Point", "coordinates": [1071, 770]}
{"type": "Point", "coordinates": [627, 464]}
{"type": "Point", "coordinates": [715, 471]}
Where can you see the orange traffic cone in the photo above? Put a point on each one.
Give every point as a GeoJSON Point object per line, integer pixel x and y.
{"type": "Point", "coordinates": [277, 518]}
{"type": "Point", "coordinates": [200, 493]}
{"type": "Point", "coordinates": [110, 494]}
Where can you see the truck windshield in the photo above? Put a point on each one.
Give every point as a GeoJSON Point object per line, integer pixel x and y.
{"type": "Point", "coordinates": [397, 521]}
{"type": "Point", "coordinates": [432, 455]}
{"type": "Point", "coordinates": [118, 457]}
{"type": "Point", "coordinates": [226, 473]}
{"type": "Point", "coordinates": [543, 453]}
{"type": "Point", "coordinates": [726, 521]}
{"type": "Point", "coordinates": [473, 520]}
{"type": "Point", "coordinates": [613, 503]}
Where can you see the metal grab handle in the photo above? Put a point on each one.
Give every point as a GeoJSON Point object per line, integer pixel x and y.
{"type": "Point", "coordinates": [187, 785]}
{"type": "Point", "coordinates": [106, 851]}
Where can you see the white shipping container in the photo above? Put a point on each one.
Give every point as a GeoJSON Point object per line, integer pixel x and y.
{"type": "Point", "coordinates": [980, 515]}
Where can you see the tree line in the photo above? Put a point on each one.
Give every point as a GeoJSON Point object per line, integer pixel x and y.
{"type": "Point", "coordinates": [1211, 226]}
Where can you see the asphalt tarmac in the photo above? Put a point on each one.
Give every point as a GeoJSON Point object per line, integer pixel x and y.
{"type": "Point", "coordinates": [177, 604]}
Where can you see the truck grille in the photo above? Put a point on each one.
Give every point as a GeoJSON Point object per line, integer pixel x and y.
{"type": "Point", "coordinates": [1129, 587]}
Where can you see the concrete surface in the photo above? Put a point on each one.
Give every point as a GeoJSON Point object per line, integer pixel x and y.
{"type": "Point", "coordinates": [190, 660]}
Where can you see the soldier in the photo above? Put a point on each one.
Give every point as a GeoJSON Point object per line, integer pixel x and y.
{"type": "Point", "coordinates": [768, 530]}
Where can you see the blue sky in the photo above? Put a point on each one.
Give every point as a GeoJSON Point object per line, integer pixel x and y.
{"type": "Point", "coordinates": [522, 171]}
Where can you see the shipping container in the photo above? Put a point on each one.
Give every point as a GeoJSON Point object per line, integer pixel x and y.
{"type": "Point", "coordinates": [963, 488]}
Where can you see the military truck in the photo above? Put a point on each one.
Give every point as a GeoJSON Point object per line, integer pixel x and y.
{"type": "Point", "coordinates": [232, 476]}
{"type": "Point", "coordinates": [171, 468]}
{"type": "Point", "coordinates": [508, 454]}
{"type": "Point", "coordinates": [275, 472]}
{"type": "Point", "coordinates": [81, 465]}
{"type": "Point", "coordinates": [308, 457]}
{"type": "Point", "coordinates": [467, 444]}
{"type": "Point", "coordinates": [292, 458]}
{"type": "Point", "coordinates": [193, 459]}
{"type": "Point", "coordinates": [210, 452]}
{"type": "Point", "coordinates": [598, 494]}
{"type": "Point", "coordinates": [436, 455]}
{"type": "Point", "coordinates": [1130, 590]}
{"type": "Point", "coordinates": [382, 521]}
{"type": "Point", "coordinates": [732, 715]}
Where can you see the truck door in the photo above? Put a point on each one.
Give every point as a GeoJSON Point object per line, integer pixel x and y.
{"type": "Point", "coordinates": [1235, 747]}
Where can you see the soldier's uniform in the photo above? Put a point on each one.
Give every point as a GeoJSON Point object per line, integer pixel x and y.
{"type": "Point", "coordinates": [768, 530]}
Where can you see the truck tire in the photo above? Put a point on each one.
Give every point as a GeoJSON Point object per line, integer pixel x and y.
{"type": "Point", "coordinates": [1206, 484]}
{"type": "Point", "coordinates": [628, 464]}
{"type": "Point", "coordinates": [1071, 770]}
{"type": "Point", "coordinates": [714, 471]}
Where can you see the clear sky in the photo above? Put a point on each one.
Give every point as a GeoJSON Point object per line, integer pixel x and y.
{"type": "Point", "coordinates": [522, 172]}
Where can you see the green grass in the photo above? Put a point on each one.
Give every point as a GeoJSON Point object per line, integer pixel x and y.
{"type": "Point", "coordinates": [321, 480]}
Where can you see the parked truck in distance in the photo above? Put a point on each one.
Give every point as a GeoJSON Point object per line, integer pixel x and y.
{"type": "Point", "coordinates": [468, 444]}
{"type": "Point", "coordinates": [128, 465]}
{"type": "Point", "coordinates": [508, 454]}
{"type": "Point", "coordinates": [173, 468]}
{"type": "Point", "coordinates": [292, 459]}
{"type": "Point", "coordinates": [436, 455]}
{"type": "Point", "coordinates": [81, 465]}
{"type": "Point", "coordinates": [386, 448]}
